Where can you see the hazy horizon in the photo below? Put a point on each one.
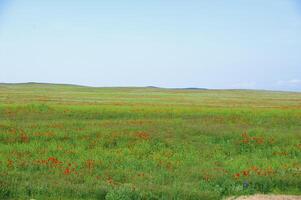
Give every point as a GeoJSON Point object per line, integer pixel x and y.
{"type": "Point", "coordinates": [171, 44]}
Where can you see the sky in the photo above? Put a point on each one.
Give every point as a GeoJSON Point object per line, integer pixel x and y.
{"type": "Point", "coordinates": [233, 44]}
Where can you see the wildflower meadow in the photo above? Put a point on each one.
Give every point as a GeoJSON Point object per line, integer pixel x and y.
{"type": "Point", "coordinates": [73, 142]}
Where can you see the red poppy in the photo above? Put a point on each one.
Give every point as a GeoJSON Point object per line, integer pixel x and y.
{"type": "Point", "coordinates": [67, 171]}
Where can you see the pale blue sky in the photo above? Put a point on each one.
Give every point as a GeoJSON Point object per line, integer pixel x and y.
{"type": "Point", "coordinates": [251, 44]}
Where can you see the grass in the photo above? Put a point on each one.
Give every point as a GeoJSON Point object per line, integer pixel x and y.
{"type": "Point", "coordinates": [73, 142]}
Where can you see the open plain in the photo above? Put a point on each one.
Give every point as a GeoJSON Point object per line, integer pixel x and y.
{"type": "Point", "coordinates": [74, 142]}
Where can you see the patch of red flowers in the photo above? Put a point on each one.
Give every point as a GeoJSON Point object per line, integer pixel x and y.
{"type": "Point", "coordinates": [247, 139]}
{"type": "Point", "coordinates": [54, 161]}
{"type": "Point", "coordinates": [70, 169]}
{"type": "Point", "coordinates": [254, 171]}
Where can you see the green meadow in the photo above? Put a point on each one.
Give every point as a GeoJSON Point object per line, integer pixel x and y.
{"type": "Point", "coordinates": [74, 142]}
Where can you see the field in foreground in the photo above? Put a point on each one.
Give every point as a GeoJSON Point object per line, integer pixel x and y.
{"type": "Point", "coordinates": [72, 142]}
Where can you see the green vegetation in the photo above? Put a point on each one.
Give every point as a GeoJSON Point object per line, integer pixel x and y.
{"type": "Point", "coordinates": [72, 142]}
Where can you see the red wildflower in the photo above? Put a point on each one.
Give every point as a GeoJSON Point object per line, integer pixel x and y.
{"type": "Point", "coordinates": [259, 140]}
{"type": "Point", "coordinates": [54, 161]}
{"type": "Point", "coordinates": [237, 175]}
{"type": "Point", "coordinates": [24, 138]}
{"type": "Point", "coordinates": [143, 135]}
{"type": "Point", "coordinates": [67, 171]}
{"type": "Point", "coordinates": [254, 168]}
{"type": "Point", "coordinates": [246, 173]}
{"type": "Point", "coordinates": [10, 163]}
{"type": "Point", "coordinates": [246, 138]}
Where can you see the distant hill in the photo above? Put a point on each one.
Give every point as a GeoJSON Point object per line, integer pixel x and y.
{"type": "Point", "coordinates": [62, 84]}
{"type": "Point", "coordinates": [189, 88]}
{"type": "Point", "coordinates": [39, 84]}
{"type": "Point", "coordinates": [194, 88]}
{"type": "Point", "coordinates": [42, 84]}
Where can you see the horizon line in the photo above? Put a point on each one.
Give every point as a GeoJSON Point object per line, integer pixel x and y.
{"type": "Point", "coordinates": [146, 86]}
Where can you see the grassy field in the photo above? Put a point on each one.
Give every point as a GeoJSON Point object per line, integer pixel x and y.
{"type": "Point", "coordinates": [72, 142]}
